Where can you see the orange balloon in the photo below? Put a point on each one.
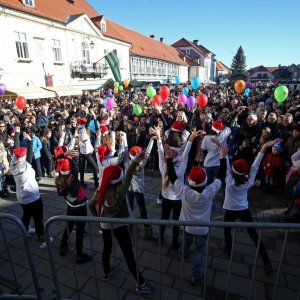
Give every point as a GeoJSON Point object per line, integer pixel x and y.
{"type": "Point", "coordinates": [116, 90]}
{"type": "Point", "coordinates": [126, 83]}
{"type": "Point", "coordinates": [239, 86]}
{"type": "Point", "coordinates": [156, 101]}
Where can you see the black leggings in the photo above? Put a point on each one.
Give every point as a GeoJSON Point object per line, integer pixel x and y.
{"type": "Point", "coordinates": [88, 158]}
{"type": "Point", "coordinates": [34, 210]}
{"type": "Point", "coordinates": [244, 216]}
{"type": "Point", "coordinates": [123, 238]}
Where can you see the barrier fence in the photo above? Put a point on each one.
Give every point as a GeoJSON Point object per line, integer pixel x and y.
{"type": "Point", "coordinates": [117, 291]}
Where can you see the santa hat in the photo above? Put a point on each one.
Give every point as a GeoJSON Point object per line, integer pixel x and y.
{"type": "Point", "coordinates": [103, 151]}
{"type": "Point", "coordinates": [296, 159]}
{"type": "Point", "coordinates": [63, 166]}
{"type": "Point", "coordinates": [104, 122]}
{"type": "Point", "coordinates": [20, 152]}
{"type": "Point", "coordinates": [178, 126]}
{"type": "Point", "coordinates": [197, 177]}
{"type": "Point", "coordinates": [134, 151]}
{"type": "Point", "coordinates": [104, 130]}
{"type": "Point", "coordinates": [81, 121]}
{"type": "Point", "coordinates": [60, 150]}
{"type": "Point", "coordinates": [111, 175]}
{"type": "Point", "coordinates": [240, 167]}
{"type": "Point", "coordinates": [217, 126]}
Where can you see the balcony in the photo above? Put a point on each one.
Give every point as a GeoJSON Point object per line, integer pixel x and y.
{"type": "Point", "coordinates": [79, 69]}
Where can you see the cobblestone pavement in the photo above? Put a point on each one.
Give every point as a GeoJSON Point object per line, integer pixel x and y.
{"type": "Point", "coordinates": [264, 207]}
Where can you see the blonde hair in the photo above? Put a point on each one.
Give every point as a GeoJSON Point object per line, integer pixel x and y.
{"type": "Point", "coordinates": [107, 140]}
{"type": "Point", "coordinates": [166, 181]}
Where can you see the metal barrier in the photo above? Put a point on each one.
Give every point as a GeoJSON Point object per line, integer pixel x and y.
{"type": "Point", "coordinates": [135, 222]}
{"type": "Point", "coordinates": [16, 292]}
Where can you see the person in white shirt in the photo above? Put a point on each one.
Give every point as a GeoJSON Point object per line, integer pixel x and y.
{"type": "Point", "coordinates": [239, 179]}
{"type": "Point", "coordinates": [196, 206]}
{"type": "Point", "coordinates": [212, 156]}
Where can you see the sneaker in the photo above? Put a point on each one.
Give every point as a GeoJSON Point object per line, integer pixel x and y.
{"type": "Point", "coordinates": [83, 258]}
{"type": "Point", "coordinates": [12, 188]}
{"type": "Point", "coordinates": [158, 201]}
{"type": "Point", "coordinates": [106, 277]}
{"type": "Point", "coordinates": [194, 282]}
{"type": "Point", "coordinates": [40, 179]}
{"type": "Point", "coordinates": [43, 243]}
{"type": "Point", "coordinates": [144, 288]}
{"type": "Point", "coordinates": [30, 231]}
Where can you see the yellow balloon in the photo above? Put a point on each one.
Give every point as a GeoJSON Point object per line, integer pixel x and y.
{"type": "Point", "coordinates": [116, 90]}
{"type": "Point", "coordinates": [126, 83]}
{"type": "Point", "coordinates": [239, 86]}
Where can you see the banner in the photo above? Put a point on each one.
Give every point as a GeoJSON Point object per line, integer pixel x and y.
{"type": "Point", "coordinates": [113, 61]}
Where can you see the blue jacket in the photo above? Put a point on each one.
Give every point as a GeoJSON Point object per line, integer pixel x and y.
{"type": "Point", "coordinates": [36, 147]}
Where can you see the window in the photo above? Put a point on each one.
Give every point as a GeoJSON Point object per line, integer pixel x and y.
{"type": "Point", "coordinates": [193, 71]}
{"type": "Point", "coordinates": [86, 56]}
{"type": "Point", "coordinates": [164, 71]}
{"type": "Point", "coordinates": [159, 68]}
{"type": "Point", "coordinates": [154, 68]}
{"type": "Point", "coordinates": [28, 3]}
{"type": "Point", "coordinates": [142, 70]}
{"type": "Point", "coordinates": [135, 66]}
{"type": "Point", "coordinates": [56, 50]}
{"type": "Point", "coordinates": [258, 75]}
{"type": "Point", "coordinates": [21, 45]}
{"type": "Point", "coordinates": [148, 70]}
{"type": "Point", "coordinates": [265, 75]}
{"type": "Point", "coordinates": [103, 26]}
{"type": "Point", "coordinates": [187, 51]}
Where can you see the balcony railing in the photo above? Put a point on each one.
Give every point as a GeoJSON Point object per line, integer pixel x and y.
{"type": "Point", "coordinates": [79, 69]}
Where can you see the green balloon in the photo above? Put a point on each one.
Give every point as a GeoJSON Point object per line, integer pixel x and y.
{"type": "Point", "coordinates": [137, 109]}
{"type": "Point", "coordinates": [116, 84]}
{"type": "Point", "coordinates": [151, 92]}
{"type": "Point", "coordinates": [121, 88]}
{"type": "Point", "coordinates": [281, 93]}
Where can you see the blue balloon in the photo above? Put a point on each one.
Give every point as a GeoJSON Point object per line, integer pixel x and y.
{"type": "Point", "coordinates": [247, 90]}
{"type": "Point", "coordinates": [195, 83]}
{"type": "Point", "coordinates": [177, 79]}
{"type": "Point", "coordinates": [185, 90]}
{"type": "Point", "coordinates": [93, 126]}
{"type": "Point", "coordinates": [246, 94]}
{"type": "Point", "coordinates": [104, 101]}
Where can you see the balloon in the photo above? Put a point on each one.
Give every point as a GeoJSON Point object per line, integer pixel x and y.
{"type": "Point", "coordinates": [164, 92]}
{"type": "Point", "coordinates": [116, 84]}
{"type": "Point", "coordinates": [156, 101]}
{"type": "Point", "coordinates": [126, 83]}
{"type": "Point", "coordinates": [93, 125]}
{"type": "Point", "coordinates": [190, 102]}
{"type": "Point", "coordinates": [21, 102]}
{"type": "Point", "coordinates": [116, 90]}
{"type": "Point", "coordinates": [195, 83]}
{"type": "Point", "coordinates": [2, 89]}
{"type": "Point", "coordinates": [281, 93]}
{"type": "Point", "coordinates": [202, 100]}
{"type": "Point", "coordinates": [150, 91]}
{"type": "Point", "coordinates": [185, 90]}
{"type": "Point", "coordinates": [247, 90]}
{"type": "Point", "coordinates": [246, 94]}
{"type": "Point", "coordinates": [182, 98]}
{"type": "Point", "coordinates": [177, 79]}
{"type": "Point", "coordinates": [257, 90]}
{"type": "Point", "coordinates": [109, 92]}
{"type": "Point", "coordinates": [239, 86]}
{"type": "Point", "coordinates": [137, 109]}
{"type": "Point", "coordinates": [109, 104]}
{"type": "Point", "coordinates": [121, 88]}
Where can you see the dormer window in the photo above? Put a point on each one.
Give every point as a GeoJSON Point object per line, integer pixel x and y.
{"type": "Point", "coordinates": [29, 3]}
{"type": "Point", "coordinates": [103, 25]}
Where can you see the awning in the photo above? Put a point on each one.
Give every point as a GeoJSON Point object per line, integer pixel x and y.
{"type": "Point", "coordinates": [29, 92]}
{"type": "Point", "coordinates": [63, 91]}
{"type": "Point", "coordinates": [91, 87]}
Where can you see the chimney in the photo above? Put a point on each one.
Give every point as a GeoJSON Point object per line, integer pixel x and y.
{"type": "Point", "coordinates": [195, 42]}
{"type": "Point", "coordinates": [152, 36]}
{"type": "Point", "coordinates": [162, 39]}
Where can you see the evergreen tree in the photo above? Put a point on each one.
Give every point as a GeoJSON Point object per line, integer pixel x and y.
{"type": "Point", "coordinates": [239, 61]}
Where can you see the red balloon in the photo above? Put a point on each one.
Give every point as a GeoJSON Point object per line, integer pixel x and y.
{"type": "Point", "coordinates": [164, 92]}
{"type": "Point", "coordinates": [156, 100]}
{"type": "Point", "coordinates": [21, 102]}
{"type": "Point", "coordinates": [202, 100]}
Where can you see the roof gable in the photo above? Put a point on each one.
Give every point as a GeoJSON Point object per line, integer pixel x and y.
{"type": "Point", "coordinates": [186, 43]}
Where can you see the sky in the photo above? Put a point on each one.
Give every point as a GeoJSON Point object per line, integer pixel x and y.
{"type": "Point", "coordinates": [268, 30]}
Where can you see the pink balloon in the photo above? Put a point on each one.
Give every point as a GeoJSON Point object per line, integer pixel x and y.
{"type": "Point", "coordinates": [110, 104]}
{"type": "Point", "coordinates": [181, 99]}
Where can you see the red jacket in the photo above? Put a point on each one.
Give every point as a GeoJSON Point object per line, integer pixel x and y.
{"type": "Point", "coordinates": [275, 162]}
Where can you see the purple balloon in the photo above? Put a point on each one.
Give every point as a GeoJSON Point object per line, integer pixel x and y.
{"type": "Point", "coordinates": [190, 102]}
{"type": "Point", "coordinates": [109, 104]}
{"type": "Point", "coordinates": [2, 89]}
{"type": "Point", "coordinates": [182, 98]}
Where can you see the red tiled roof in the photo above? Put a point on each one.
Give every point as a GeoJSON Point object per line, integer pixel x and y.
{"type": "Point", "coordinates": [221, 67]}
{"type": "Point", "coordinates": [185, 43]}
{"type": "Point", "coordinates": [272, 69]}
{"type": "Point", "coordinates": [59, 10]}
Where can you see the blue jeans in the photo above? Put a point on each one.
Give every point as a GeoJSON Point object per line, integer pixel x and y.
{"type": "Point", "coordinates": [199, 242]}
{"type": "Point", "coordinates": [211, 173]}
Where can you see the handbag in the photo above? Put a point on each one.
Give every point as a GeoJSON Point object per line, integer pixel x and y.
{"type": "Point", "coordinates": [82, 194]}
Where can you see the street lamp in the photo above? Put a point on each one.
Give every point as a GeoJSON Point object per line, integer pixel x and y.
{"type": "Point", "coordinates": [85, 44]}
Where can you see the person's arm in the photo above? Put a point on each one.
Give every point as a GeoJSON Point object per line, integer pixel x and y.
{"type": "Point", "coordinates": [17, 137]}
{"type": "Point", "coordinates": [147, 153]}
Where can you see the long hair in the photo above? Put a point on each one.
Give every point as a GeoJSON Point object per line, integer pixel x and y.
{"type": "Point", "coordinates": [107, 140]}
{"type": "Point", "coordinates": [239, 179]}
{"type": "Point", "coordinates": [64, 183]}
{"type": "Point", "coordinates": [166, 181]}
{"type": "Point", "coordinates": [174, 139]}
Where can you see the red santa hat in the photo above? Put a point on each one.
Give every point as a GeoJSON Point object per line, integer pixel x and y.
{"type": "Point", "coordinates": [81, 121]}
{"type": "Point", "coordinates": [197, 177]}
{"type": "Point", "coordinates": [103, 151]}
{"type": "Point", "coordinates": [104, 122]}
{"type": "Point", "coordinates": [104, 130]}
{"type": "Point", "coordinates": [20, 152]}
{"type": "Point", "coordinates": [178, 126]}
{"type": "Point", "coordinates": [63, 166]}
{"type": "Point", "coordinates": [217, 126]}
{"type": "Point", "coordinates": [111, 175]}
{"type": "Point", "coordinates": [134, 151]}
{"type": "Point", "coordinates": [60, 150]}
{"type": "Point", "coordinates": [240, 167]}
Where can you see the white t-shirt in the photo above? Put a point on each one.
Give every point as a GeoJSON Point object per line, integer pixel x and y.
{"type": "Point", "coordinates": [212, 159]}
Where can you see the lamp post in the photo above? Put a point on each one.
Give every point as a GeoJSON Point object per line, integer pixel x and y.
{"type": "Point", "coordinates": [85, 45]}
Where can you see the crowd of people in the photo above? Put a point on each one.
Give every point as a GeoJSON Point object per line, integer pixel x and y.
{"type": "Point", "coordinates": [231, 144]}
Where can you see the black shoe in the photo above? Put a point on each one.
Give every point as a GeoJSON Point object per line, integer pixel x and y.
{"type": "Point", "coordinates": [12, 188]}
{"type": "Point", "coordinates": [83, 258]}
{"type": "Point", "coordinates": [63, 250]}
